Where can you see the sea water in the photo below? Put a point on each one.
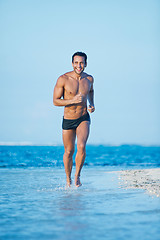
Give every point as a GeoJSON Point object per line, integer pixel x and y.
{"type": "Point", "coordinates": [36, 204]}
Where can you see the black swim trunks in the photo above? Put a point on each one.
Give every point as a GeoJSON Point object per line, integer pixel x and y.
{"type": "Point", "coordinates": [74, 123]}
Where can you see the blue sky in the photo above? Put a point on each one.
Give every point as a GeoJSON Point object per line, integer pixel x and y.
{"type": "Point", "coordinates": [121, 39]}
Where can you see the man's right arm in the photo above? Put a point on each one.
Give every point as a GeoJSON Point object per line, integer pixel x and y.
{"type": "Point", "coordinates": [58, 93]}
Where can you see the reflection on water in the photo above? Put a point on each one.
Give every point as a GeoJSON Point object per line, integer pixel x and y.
{"type": "Point", "coordinates": [71, 204]}
{"type": "Point", "coordinates": [71, 209]}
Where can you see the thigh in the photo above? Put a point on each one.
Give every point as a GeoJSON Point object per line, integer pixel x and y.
{"type": "Point", "coordinates": [69, 137]}
{"type": "Point", "coordinates": [82, 132]}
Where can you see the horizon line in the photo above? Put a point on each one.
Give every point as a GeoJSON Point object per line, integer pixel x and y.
{"type": "Point", "coordinates": [26, 143]}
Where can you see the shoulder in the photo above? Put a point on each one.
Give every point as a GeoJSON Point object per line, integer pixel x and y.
{"type": "Point", "coordinates": [62, 79]}
{"type": "Point", "coordinates": [89, 77]}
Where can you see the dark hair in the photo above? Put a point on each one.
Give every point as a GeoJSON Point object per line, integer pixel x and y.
{"type": "Point", "coordinates": [81, 54]}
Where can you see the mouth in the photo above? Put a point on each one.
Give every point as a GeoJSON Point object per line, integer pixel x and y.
{"type": "Point", "coordinates": [79, 69]}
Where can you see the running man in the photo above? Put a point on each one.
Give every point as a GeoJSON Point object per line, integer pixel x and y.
{"type": "Point", "coordinates": [72, 90]}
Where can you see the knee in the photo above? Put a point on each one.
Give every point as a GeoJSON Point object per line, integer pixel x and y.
{"type": "Point", "coordinates": [69, 152]}
{"type": "Point", "coordinates": [81, 147]}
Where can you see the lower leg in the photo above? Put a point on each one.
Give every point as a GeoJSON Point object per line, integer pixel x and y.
{"type": "Point", "coordinates": [80, 158]}
{"type": "Point", "coordinates": [68, 162]}
{"type": "Point", "coordinates": [69, 143]}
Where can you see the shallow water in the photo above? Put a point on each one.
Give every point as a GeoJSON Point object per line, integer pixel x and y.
{"type": "Point", "coordinates": [35, 204]}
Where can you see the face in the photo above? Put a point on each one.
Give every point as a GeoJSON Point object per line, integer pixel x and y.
{"type": "Point", "coordinates": [79, 64]}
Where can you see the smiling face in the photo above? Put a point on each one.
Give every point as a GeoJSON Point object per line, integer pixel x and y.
{"type": "Point", "coordinates": [79, 64]}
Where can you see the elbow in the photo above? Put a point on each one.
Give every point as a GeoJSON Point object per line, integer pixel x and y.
{"type": "Point", "coordinates": [54, 102]}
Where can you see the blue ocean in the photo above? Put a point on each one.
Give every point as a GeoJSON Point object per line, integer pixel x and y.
{"type": "Point", "coordinates": [35, 203]}
{"type": "Point", "coordinates": [52, 156]}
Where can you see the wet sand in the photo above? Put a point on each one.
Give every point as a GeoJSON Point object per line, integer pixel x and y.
{"type": "Point", "coordinates": [147, 179]}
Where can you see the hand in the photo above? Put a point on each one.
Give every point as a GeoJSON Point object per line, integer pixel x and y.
{"type": "Point", "coordinates": [78, 98]}
{"type": "Point", "coordinates": [91, 108]}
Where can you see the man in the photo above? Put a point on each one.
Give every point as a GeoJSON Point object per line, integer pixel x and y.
{"type": "Point", "coordinates": [72, 91]}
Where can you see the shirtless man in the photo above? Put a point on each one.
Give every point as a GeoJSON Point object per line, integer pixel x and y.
{"type": "Point", "coordinates": [72, 91]}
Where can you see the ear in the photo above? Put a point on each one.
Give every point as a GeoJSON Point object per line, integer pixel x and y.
{"type": "Point", "coordinates": [86, 64]}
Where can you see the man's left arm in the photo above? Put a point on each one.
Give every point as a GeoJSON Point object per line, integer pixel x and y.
{"type": "Point", "coordinates": [91, 107]}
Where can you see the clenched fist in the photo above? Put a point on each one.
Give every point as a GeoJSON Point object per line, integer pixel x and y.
{"type": "Point", "coordinates": [78, 98]}
{"type": "Point", "coordinates": [91, 108]}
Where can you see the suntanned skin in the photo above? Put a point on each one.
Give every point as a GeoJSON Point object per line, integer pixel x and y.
{"type": "Point", "coordinates": [72, 91]}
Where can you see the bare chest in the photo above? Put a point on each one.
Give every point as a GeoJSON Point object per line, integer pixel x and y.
{"type": "Point", "coordinates": [73, 87]}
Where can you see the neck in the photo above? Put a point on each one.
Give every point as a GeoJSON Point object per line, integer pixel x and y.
{"type": "Point", "coordinates": [76, 75]}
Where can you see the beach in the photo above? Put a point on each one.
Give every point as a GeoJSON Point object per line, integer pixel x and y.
{"type": "Point", "coordinates": [147, 179]}
{"type": "Point", "coordinates": [36, 204]}
{"type": "Point", "coordinates": [118, 199]}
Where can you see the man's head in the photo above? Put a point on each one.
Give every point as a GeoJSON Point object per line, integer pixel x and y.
{"type": "Point", "coordinates": [79, 62]}
{"type": "Point", "coordinates": [80, 54]}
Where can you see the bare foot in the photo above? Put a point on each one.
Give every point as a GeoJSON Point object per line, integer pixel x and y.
{"type": "Point", "coordinates": [77, 181]}
{"type": "Point", "coordinates": [69, 182]}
